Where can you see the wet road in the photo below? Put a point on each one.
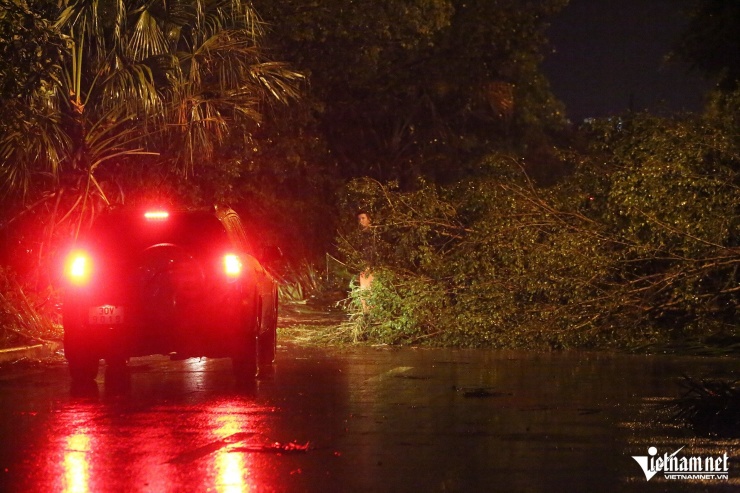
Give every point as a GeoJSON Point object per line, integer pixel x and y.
{"type": "Point", "coordinates": [354, 420]}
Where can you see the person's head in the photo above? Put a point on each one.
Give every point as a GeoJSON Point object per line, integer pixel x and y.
{"type": "Point", "coordinates": [363, 218]}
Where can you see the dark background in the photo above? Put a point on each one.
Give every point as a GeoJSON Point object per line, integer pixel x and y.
{"type": "Point", "coordinates": [609, 57]}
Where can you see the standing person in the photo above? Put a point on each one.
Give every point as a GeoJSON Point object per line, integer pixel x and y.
{"type": "Point", "coordinates": [367, 251]}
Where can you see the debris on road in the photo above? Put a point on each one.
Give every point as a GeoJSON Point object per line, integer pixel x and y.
{"type": "Point", "coordinates": [479, 392]}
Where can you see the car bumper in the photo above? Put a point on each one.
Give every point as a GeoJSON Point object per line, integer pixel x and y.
{"type": "Point", "coordinates": [209, 326]}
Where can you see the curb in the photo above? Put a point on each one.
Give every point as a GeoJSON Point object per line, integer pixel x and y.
{"type": "Point", "coordinates": [31, 352]}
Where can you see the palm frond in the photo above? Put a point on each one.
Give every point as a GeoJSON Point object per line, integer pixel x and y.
{"type": "Point", "coordinates": [205, 129]}
{"type": "Point", "coordinates": [38, 144]}
{"type": "Point", "coordinates": [148, 39]}
{"type": "Point", "coordinates": [230, 59]}
{"type": "Point", "coordinates": [135, 76]}
{"type": "Point", "coordinates": [132, 87]}
{"type": "Point", "coordinates": [113, 137]}
{"type": "Point", "coordinates": [278, 80]}
{"type": "Point", "coordinates": [99, 189]}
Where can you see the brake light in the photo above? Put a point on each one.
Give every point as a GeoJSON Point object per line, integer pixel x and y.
{"type": "Point", "coordinates": [156, 215]}
{"type": "Point", "coordinates": [232, 265]}
{"type": "Point", "coordinates": [78, 268]}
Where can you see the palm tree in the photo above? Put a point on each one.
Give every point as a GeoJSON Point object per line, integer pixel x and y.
{"type": "Point", "coordinates": [153, 81]}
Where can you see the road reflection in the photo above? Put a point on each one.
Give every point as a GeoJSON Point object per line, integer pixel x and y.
{"type": "Point", "coordinates": [205, 446]}
{"type": "Point", "coordinates": [76, 463]}
{"type": "Point", "coordinates": [360, 420]}
{"type": "Point", "coordinates": [231, 473]}
{"type": "Point", "coordinates": [166, 434]}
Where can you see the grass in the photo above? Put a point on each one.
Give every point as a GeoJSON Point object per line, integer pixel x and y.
{"type": "Point", "coordinates": [25, 317]}
{"type": "Point", "coordinates": [313, 324]}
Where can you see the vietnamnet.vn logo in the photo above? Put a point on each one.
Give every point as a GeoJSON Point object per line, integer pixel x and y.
{"type": "Point", "coordinates": [681, 467]}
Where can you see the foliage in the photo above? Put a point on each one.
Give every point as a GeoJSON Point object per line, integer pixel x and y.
{"type": "Point", "coordinates": [138, 96]}
{"type": "Point", "coordinates": [298, 284]}
{"type": "Point", "coordinates": [174, 102]}
{"type": "Point", "coordinates": [25, 317]}
{"type": "Point", "coordinates": [128, 67]}
{"type": "Point", "coordinates": [287, 185]}
{"type": "Point", "coordinates": [673, 203]}
{"type": "Point", "coordinates": [30, 48]}
{"type": "Point", "coordinates": [407, 88]}
{"type": "Point", "coordinates": [398, 309]}
{"type": "Point", "coordinates": [711, 41]}
{"type": "Point", "coordinates": [441, 102]}
{"type": "Point", "coordinates": [639, 244]}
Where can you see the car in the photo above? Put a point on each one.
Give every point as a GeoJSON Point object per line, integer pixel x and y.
{"type": "Point", "coordinates": [184, 283]}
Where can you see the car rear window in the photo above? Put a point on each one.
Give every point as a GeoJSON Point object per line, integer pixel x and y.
{"type": "Point", "coordinates": [133, 231]}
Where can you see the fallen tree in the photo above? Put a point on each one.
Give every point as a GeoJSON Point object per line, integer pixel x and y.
{"type": "Point", "coordinates": [640, 244]}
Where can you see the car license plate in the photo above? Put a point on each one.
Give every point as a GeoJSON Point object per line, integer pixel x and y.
{"type": "Point", "coordinates": [106, 314]}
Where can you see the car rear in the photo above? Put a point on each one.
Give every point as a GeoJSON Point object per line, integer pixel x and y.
{"type": "Point", "coordinates": [156, 282]}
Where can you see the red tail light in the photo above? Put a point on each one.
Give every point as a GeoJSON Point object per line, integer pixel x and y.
{"type": "Point", "coordinates": [78, 268]}
{"type": "Point", "coordinates": [232, 265]}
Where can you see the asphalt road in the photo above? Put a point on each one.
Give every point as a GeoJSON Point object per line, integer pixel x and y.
{"type": "Point", "coordinates": [353, 420]}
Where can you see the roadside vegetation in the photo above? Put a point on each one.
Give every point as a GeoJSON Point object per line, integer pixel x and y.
{"type": "Point", "coordinates": [496, 222]}
{"type": "Point", "coordinates": [27, 317]}
{"type": "Point", "coordinates": [637, 245]}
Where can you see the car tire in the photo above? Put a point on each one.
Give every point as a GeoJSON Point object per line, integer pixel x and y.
{"type": "Point", "coordinates": [244, 362]}
{"type": "Point", "coordinates": [83, 363]}
{"type": "Point", "coordinates": [267, 343]}
{"type": "Point", "coordinates": [266, 350]}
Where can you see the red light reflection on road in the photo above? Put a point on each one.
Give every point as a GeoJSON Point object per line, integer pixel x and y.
{"type": "Point", "coordinates": [206, 448]}
{"type": "Point", "coordinates": [231, 472]}
{"type": "Point", "coordinates": [77, 446]}
{"type": "Point", "coordinates": [76, 464]}
{"type": "Point", "coordinates": [206, 443]}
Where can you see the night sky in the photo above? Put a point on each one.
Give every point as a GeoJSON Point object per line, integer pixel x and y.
{"type": "Point", "coordinates": [609, 57]}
